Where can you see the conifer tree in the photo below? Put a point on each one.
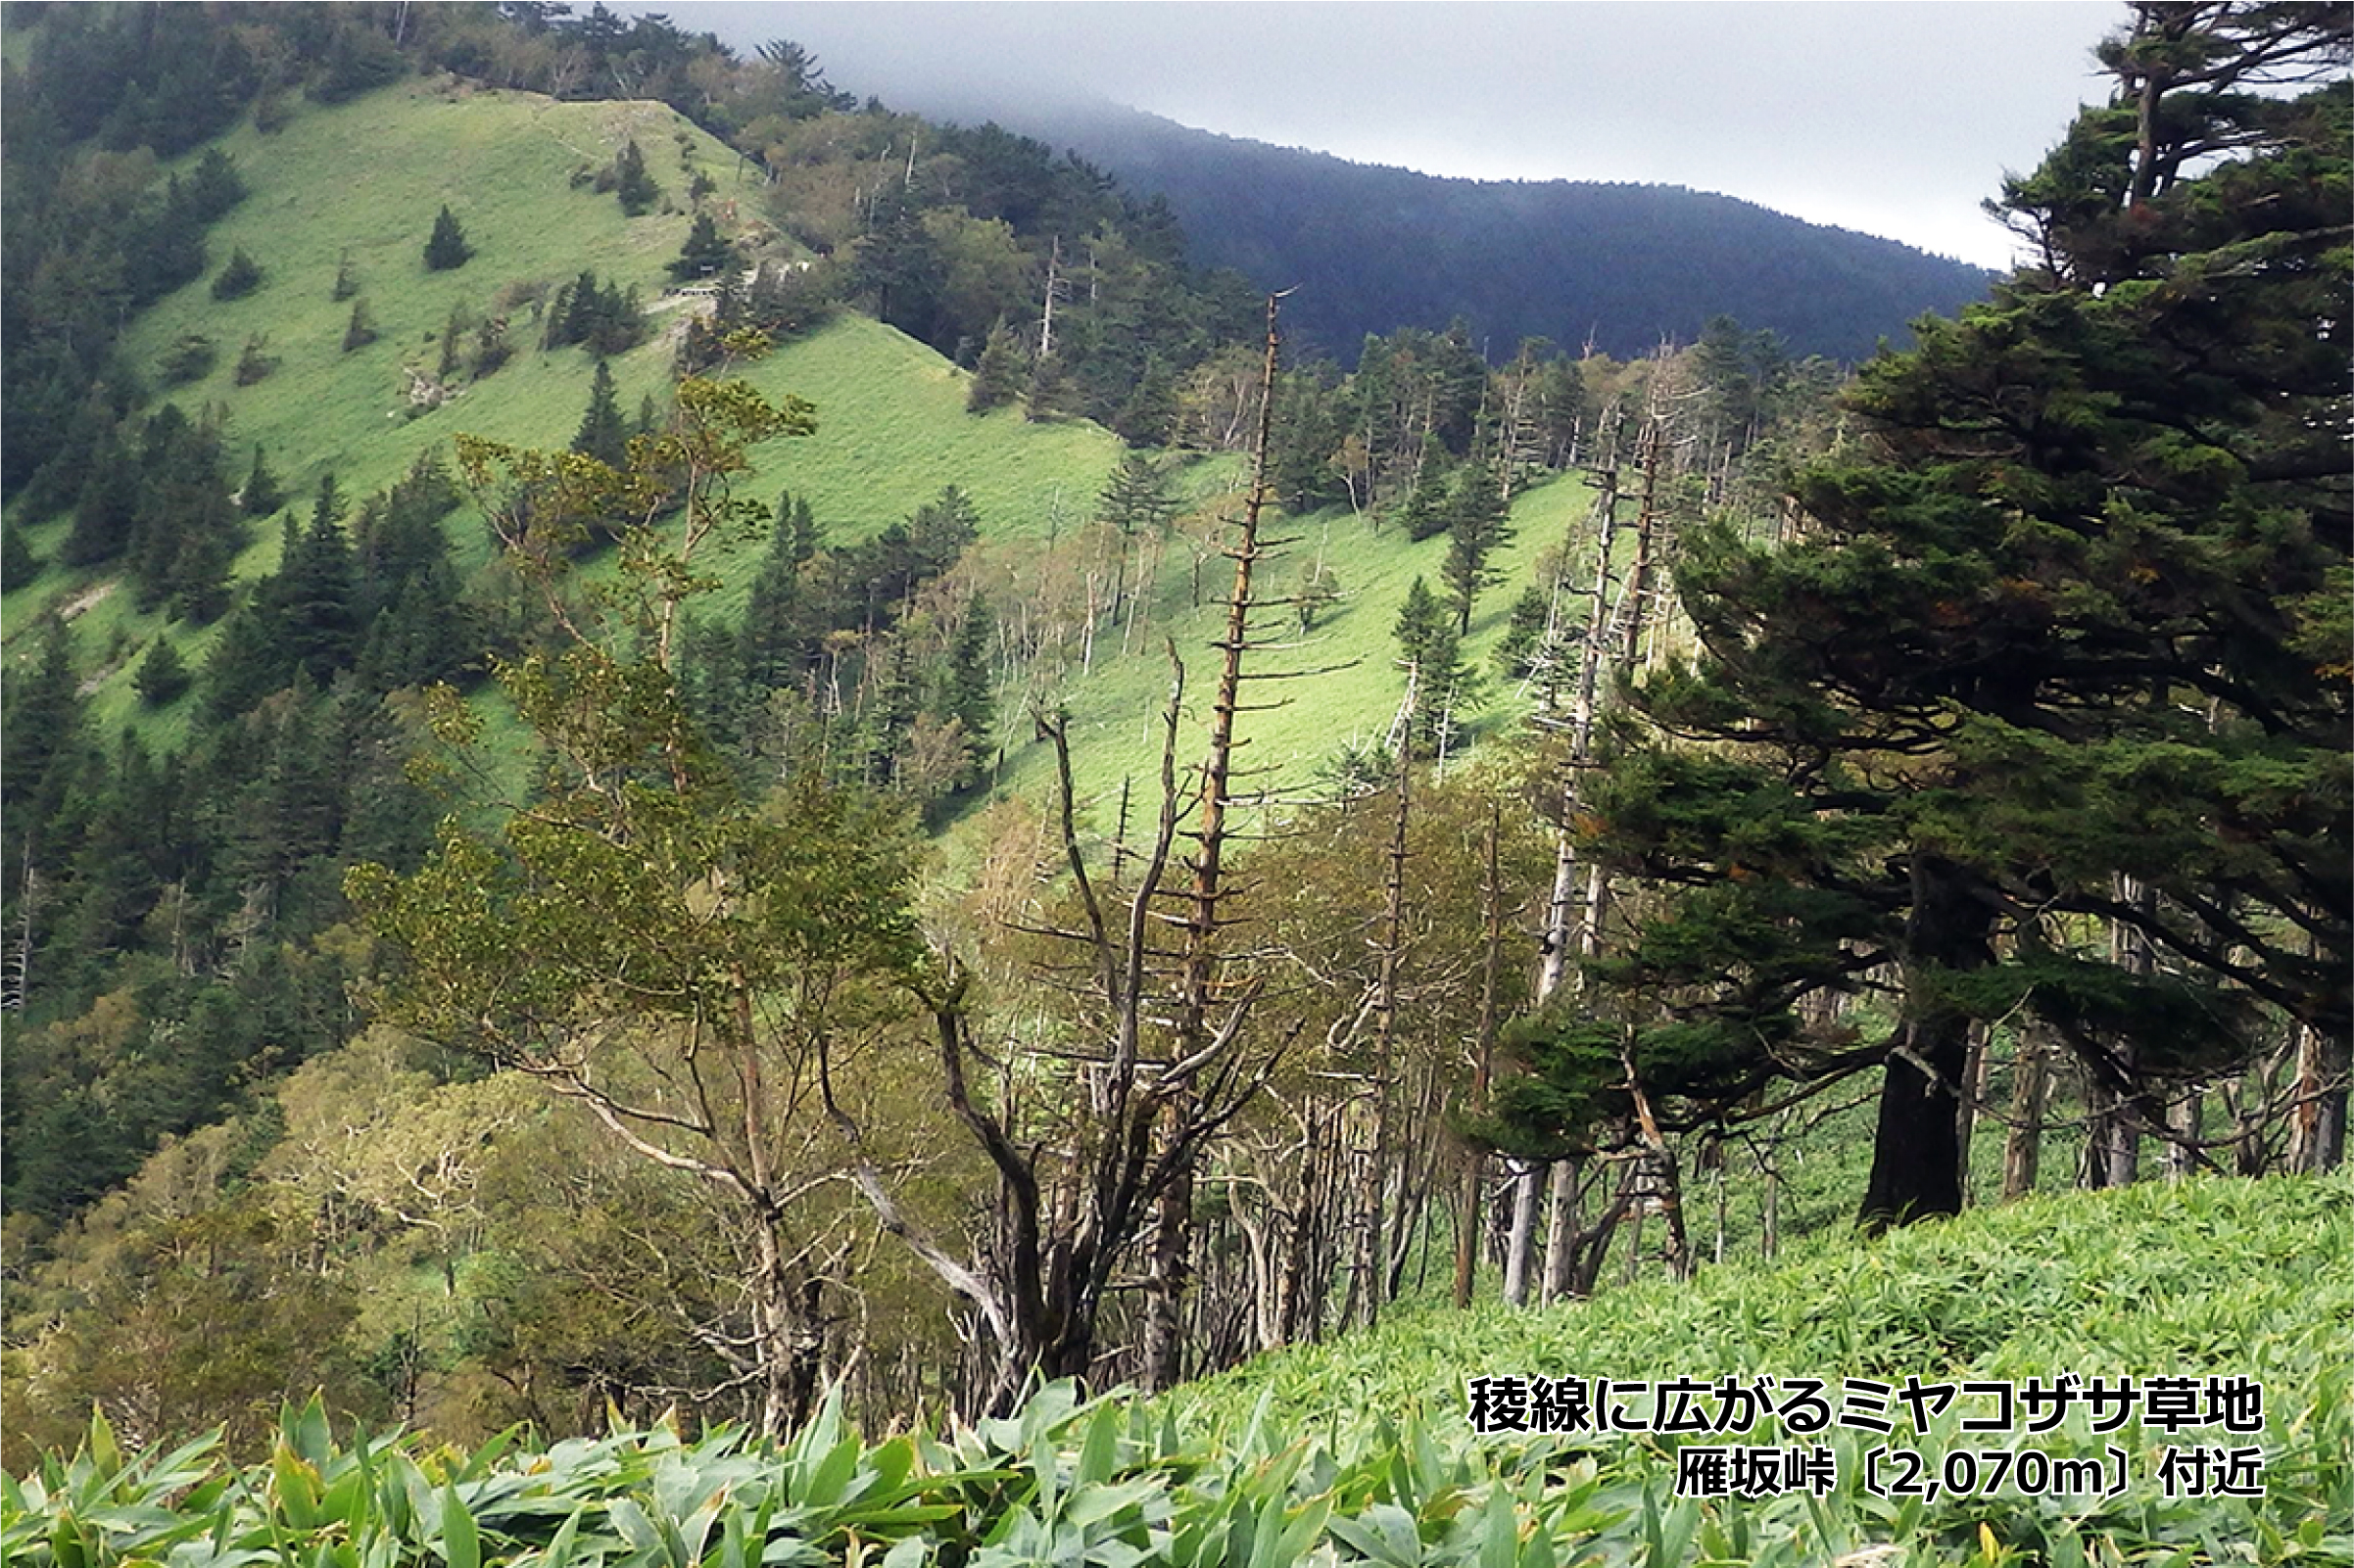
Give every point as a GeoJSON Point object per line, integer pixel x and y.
{"type": "Point", "coordinates": [183, 499]}
{"type": "Point", "coordinates": [162, 675]}
{"type": "Point", "coordinates": [1445, 689]}
{"type": "Point", "coordinates": [213, 186]}
{"type": "Point", "coordinates": [447, 247]}
{"type": "Point", "coordinates": [2070, 620]}
{"type": "Point", "coordinates": [199, 573]}
{"type": "Point", "coordinates": [1524, 629]}
{"type": "Point", "coordinates": [105, 511]}
{"type": "Point", "coordinates": [705, 254]}
{"type": "Point", "coordinates": [939, 532]}
{"type": "Point", "coordinates": [313, 601]}
{"type": "Point", "coordinates": [1423, 511]}
{"type": "Point", "coordinates": [112, 885]}
{"type": "Point", "coordinates": [361, 330]}
{"type": "Point", "coordinates": [796, 529]}
{"type": "Point", "coordinates": [601, 434]}
{"type": "Point", "coordinates": [997, 374]}
{"type": "Point", "coordinates": [244, 665]}
{"type": "Point", "coordinates": [1478, 523]}
{"type": "Point", "coordinates": [1150, 413]}
{"type": "Point", "coordinates": [255, 362]}
{"type": "Point", "coordinates": [239, 279]}
{"type": "Point", "coordinates": [769, 641]}
{"type": "Point", "coordinates": [42, 725]}
{"type": "Point", "coordinates": [260, 494]}
{"type": "Point", "coordinates": [632, 186]}
{"type": "Point", "coordinates": [968, 696]}
{"type": "Point", "coordinates": [1137, 498]}
{"type": "Point", "coordinates": [1047, 393]}
{"type": "Point", "coordinates": [453, 328]}
{"type": "Point", "coordinates": [18, 565]}
{"type": "Point", "coordinates": [191, 359]}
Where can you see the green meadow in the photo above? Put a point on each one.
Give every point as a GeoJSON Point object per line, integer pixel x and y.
{"type": "Point", "coordinates": [517, 171]}
{"type": "Point", "coordinates": [1361, 1451]}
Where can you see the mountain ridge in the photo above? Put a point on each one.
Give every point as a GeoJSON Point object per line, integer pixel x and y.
{"type": "Point", "coordinates": [1621, 264]}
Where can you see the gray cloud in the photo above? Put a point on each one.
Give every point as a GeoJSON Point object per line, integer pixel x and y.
{"type": "Point", "coordinates": [1890, 118]}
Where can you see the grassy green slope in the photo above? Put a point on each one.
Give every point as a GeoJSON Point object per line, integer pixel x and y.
{"type": "Point", "coordinates": [366, 179]}
{"type": "Point", "coordinates": [363, 181]}
{"type": "Point", "coordinates": [2199, 1278]}
{"type": "Point", "coordinates": [1359, 1452]}
{"type": "Point", "coordinates": [2159, 1277]}
{"type": "Point", "coordinates": [1115, 708]}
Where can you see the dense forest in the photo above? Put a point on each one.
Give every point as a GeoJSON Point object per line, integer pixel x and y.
{"type": "Point", "coordinates": [1616, 266]}
{"type": "Point", "coordinates": [547, 939]}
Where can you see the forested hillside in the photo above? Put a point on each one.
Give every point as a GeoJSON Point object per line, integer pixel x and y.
{"type": "Point", "coordinates": [1618, 267]}
{"type": "Point", "coordinates": [673, 743]}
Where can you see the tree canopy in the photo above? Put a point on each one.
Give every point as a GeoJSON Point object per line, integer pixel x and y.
{"type": "Point", "coordinates": [2058, 652]}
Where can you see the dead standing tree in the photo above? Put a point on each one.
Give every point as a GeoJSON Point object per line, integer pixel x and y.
{"type": "Point", "coordinates": [1200, 981]}
{"type": "Point", "coordinates": [1612, 651]}
{"type": "Point", "coordinates": [1114, 1163]}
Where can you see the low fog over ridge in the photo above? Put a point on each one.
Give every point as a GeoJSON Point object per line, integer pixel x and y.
{"type": "Point", "coordinates": [1894, 120]}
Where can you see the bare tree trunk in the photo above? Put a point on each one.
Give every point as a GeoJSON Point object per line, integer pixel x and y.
{"type": "Point", "coordinates": [1561, 1234]}
{"type": "Point", "coordinates": [1371, 1273]}
{"type": "Point", "coordinates": [2183, 1121]}
{"type": "Point", "coordinates": [1914, 1162]}
{"type": "Point", "coordinates": [1965, 1115]}
{"type": "Point", "coordinates": [20, 958]}
{"type": "Point", "coordinates": [1638, 592]}
{"type": "Point", "coordinates": [1565, 927]}
{"type": "Point", "coordinates": [1527, 1183]}
{"type": "Point", "coordinates": [1659, 1166]}
{"type": "Point", "coordinates": [1284, 1316]}
{"type": "Point", "coordinates": [1173, 1230]}
{"type": "Point", "coordinates": [1417, 1176]}
{"type": "Point", "coordinates": [2117, 1129]}
{"type": "Point", "coordinates": [1714, 1157]}
{"type": "Point", "coordinates": [1466, 1208]}
{"type": "Point", "coordinates": [2316, 1117]}
{"type": "Point", "coordinates": [1054, 261]}
{"type": "Point", "coordinates": [2023, 1148]}
{"type": "Point", "coordinates": [2116, 1149]}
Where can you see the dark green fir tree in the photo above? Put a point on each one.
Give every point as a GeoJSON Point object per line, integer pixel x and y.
{"type": "Point", "coordinates": [602, 434]}
{"type": "Point", "coordinates": [260, 494]}
{"type": "Point", "coordinates": [361, 330]}
{"type": "Point", "coordinates": [447, 250]}
{"type": "Point", "coordinates": [773, 641]}
{"type": "Point", "coordinates": [2057, 670]}
{"type": "Point", "coordinates": [1445, 689]}
{"type": "Point", "coordinates": [632, 186]}
{"type": "Point", "coordinates": [163, 676]}
{"type": "Point", "coordinates": [705, 254]}
{"type": "Point", "coordinates": [997, 374]}
{"type": "Point", "coordinates": [1478, 524]}
{"type": "Point", "coordinates": [313, 597]}
{"type": "Point", "coordinates": [18, 565]}
{"type": "Point", "coordinates": [239, 279]}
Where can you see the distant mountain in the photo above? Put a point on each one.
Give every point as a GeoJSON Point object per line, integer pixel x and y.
{"type": "Point", "coordinates": [1374, 249]}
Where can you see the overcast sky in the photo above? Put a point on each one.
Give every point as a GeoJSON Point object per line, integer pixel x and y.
{"type": "Point", "coordinates": [1891, 119]}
